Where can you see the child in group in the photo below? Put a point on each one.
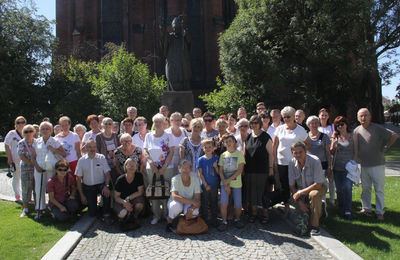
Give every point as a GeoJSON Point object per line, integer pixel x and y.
{"type": "Point", "coordinates": [207, 166]}
{"type": "Point", "coordinates": [231, 167]}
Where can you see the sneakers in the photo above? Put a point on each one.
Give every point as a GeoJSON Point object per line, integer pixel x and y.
{"type": "Point", "coordinates": [223, 227]}
{"type": "Point", "coordinates": [24, 213]}
{"type": "Point", "coordinates": [314, 231]}
{"type": "Point", "coordinates": [238, 224]}
{"type": "Point", "coordinates": [324, 211]}
{"type": "Point", "coordinates": [380, 217]}
{"type": "Point", "coordinates": [154, 221]}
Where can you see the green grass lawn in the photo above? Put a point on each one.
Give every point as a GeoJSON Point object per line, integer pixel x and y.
{"type": "Point", "coordinates": [394, 152]}
{"type": "Point", "coordinates": [365, 235]}
{"type": "Point", "coordinates": [25, 238]}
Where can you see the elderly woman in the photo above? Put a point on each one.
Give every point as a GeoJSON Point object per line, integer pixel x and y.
{"type": "Point", "coordinates": [222, 126]}
{"type": "Point", "coordinates": [320, 145]}
{"type": "Point", "coordinates": [325, 127]}
{"type": "Point", "coordinates": [232, 121]}
{"type": "Point", "coordinates": [93, 122]}
{"type": "Point", "coordinates": [62, 193]}
{"type": "Point", "coordinates": [159, 148]}
{"type": "Point", "coordinates": [42, 146]}
{"type": "Point", "coordinates": [80, 130]}
{"type": "Point", "coordinates": [106, 143]}
{"type": "Point", "coordinates": [258, 168]}
{"type": "Point", "coordinates": [343, 147]}
{"type": "Point", "coordinates": [284, 136]}
{"type": "Point", "coordinates": [141, 127]}
{"type": "Point", "coordinates": [26, 153]}
{"type": "Point", "coordinates": [70, 142]}
{"type": "Point", "coordinates": [243, 126]}
{"type": "Point", "coordinates": [11, 145]}
{"type": "Point", "coordinates": [128, 194]}
{"type": "Point", "coordinates": [190, 146]}
{"type": "Point", "coordinates": [185, 193]}
{"type": "Point", "coordinates": [178, 133]}
{"type": "Point", "coordinates": [125, 151]}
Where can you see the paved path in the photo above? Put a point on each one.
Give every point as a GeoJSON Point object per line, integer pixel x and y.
{"type": "Point", "coordinates": [274, 241]}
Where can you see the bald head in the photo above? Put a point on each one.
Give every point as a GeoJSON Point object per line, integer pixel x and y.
{"type": "Point", "coordinates": [364, 117]}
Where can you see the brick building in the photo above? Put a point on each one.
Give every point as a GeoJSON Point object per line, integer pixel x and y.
{"type": "Point", "coordinates": [86, 25]}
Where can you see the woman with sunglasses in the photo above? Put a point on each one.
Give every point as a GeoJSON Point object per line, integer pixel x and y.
{"type": "Point", "coordinates": [266, 121]}
{"type": "Point", "coordinates": [342, 146]}
{"type": "Point", "coordinates": [42, 146]}
{"type": "Point", "coordinates": [107, 142]}
{"type": "Point", "coordinates": [70, 142]}
{"type": "Point", "coordinates": [26, 153]}
{"type": "Point", "coordinates": [285, 135]}
{"type": "Point", "coordinates": [13, 160]}
{"type": "Point", "coordinates": [62, 193]}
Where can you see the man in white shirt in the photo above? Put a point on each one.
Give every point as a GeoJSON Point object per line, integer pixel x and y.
{"type": "Point", "coordinates": [93, 178]}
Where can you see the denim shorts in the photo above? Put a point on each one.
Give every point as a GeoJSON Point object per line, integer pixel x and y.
{"type": "Point", "coordinates": [237, 196]}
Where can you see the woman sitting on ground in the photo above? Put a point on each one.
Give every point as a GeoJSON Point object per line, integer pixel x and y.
{"type": "Point", "coordinates": [128, 194]}
{"type": "Point", "coordinates": [185, 193]}
{"type": "Point", "coordinates": [62, 192]}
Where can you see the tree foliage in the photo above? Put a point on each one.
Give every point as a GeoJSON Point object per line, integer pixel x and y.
{"type": "Point", "coordinates": [307, 53]}
{"type": "Point", "coordinates": [25, 51]}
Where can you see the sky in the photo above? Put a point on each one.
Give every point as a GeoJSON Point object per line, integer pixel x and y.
{"type": "Point", "coordinates": [47, 8]}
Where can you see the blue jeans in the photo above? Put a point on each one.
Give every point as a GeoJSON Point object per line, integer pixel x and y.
{"type": "Point", "coordinates": [344, 191]}
{"type": "Point", "coordinates": [212, 197]}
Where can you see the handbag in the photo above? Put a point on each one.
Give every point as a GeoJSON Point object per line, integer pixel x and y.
{"type": "Point", "coordinates": [192, 226]}
{"type": "Point", "coordinates": [158, 190]}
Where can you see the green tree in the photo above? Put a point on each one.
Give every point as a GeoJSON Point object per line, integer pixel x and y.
{"type": "Point", "coordinates": [123, 81]}
{"type": "Point", "coordinates": [308, 53]}
{"type": "Point", "coordinates": [25, 50]}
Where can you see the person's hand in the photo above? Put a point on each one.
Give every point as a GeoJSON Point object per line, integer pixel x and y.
{"type": "Point", "coordinates": [162, 170]}
{"type": "Point", "coordinates": [127, 206]}
{"type": "Point", "coordinates": [83, 199]}
{"type": "Point", "coordinates": [226, 182]}
{"type": "Point", "coordinates": [297, 195]}
{"type": "Point", "coordinates": [227, 189]}
{"type": "Point", "coordinates": [106, 192]}
{"type": "Point", "coordinates": [51, 148]}
{"type": "Point", "coordinates": [196, 204]}
{"type": "Point", "coordinates": [208, 188]}
{"type": "Point", "coordinates": [215, 165]}
{"type": "Point", "coordinates": [9, 161]}
{"type": "Point", "coordinates": [63, 209]}
{"type": "Point", "coordinates": [154, 169]}
{"type": "Point", "coordinates": [39, 169]}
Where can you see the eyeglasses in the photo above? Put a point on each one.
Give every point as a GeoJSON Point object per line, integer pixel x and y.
{"type": "Point", "coordinates": [340, 124]}
{"type": "Point", "coordinates": [243, 126]}
{"type": "Point", "coordinates": [185, 125]}
{"type": "Point", "coordinates": [62, 169]}
{"type": "Point", "coordinates": [28, 131]}
{"type": "Point", "coordinates": [208, 120]}
{"type": "Point", "coordinates": [20, 122]}
{"type": "Point", "coordinates": [264, 116]}
{"type": "Point", "coordinates": [139, 125]}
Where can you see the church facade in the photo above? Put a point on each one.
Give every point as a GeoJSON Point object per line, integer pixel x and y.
{"type": "Point", "coordinates": [85, 26]}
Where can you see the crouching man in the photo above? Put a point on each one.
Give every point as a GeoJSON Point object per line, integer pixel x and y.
{"type": "Point", "coordinates": [307, 186]}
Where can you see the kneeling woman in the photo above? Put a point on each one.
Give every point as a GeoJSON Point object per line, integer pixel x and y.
{"type": "Point", "coordinates": [185, 193]}
{"type": "Point", "coordinates": [62, 191]}
{"type": "Point", "coordinates": [129, 192]}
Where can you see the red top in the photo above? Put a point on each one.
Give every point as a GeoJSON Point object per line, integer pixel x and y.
{"type": "Point", "coordinates": [58, 187]}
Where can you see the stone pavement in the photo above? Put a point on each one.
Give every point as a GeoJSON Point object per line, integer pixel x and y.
{"type": "Point", "coordinates": [274, 241]}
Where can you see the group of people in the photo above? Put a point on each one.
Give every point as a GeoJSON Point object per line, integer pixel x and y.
{"type": "Point", "coordinates": [223, 166]}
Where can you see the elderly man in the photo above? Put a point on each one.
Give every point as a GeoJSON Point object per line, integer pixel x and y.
{"type": "Point", "coordinates": [307, 185]}
{"type": "Point", "coordinates": [93, 178]}
{"type": "Point", "coordinates": [371, 141]}
{"type": "Point", "coordinates": [131, 112]}
{"type": "Point", "coordinates": [276, 121]}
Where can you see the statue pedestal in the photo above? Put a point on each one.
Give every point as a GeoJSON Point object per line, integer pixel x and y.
{"type": "Point", "coordinates": [178, 101]}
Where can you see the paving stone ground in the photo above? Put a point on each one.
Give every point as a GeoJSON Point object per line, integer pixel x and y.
{"type": "Point", "coordinates": [273, 241]}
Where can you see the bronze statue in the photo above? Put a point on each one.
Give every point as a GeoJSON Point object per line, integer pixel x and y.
{"type": "Point", "coordinates": [176, 46]}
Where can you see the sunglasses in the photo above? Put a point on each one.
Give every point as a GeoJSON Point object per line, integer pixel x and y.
{"type": "Point", "coordinates": [340, 124]}
{"type": "Point", "coordinates": [20, 122]}
{"type": "Point", "coordinates": [62, 169]}
{"type": "Point", "coordinates": [208, 120]}
{"type": "Point", "coordinates": [264, 116]}
{"type": "Point", "coordinates": [28, 131]}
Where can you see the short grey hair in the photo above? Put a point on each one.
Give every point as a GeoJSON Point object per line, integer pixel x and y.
{"type": "Point", "coordinates": [80, 126]}
{"type": "Point", "coordinates": [221, 121]}
{"type": "Point", "coordinates": [176, 114]}
{"type": "Point", "coordinates": [312, 118]}
{"type": "Point", "coordinates": [125, 136]}
{"type": "Point", "coordinates": [298, 144]}
{"type": "Point", "coordinates": [288, 110]}
{"type": "Point", "coordinates": [182, 162]}
{"type": "Point", "coordinates": [45, 123]}
{"type": "Point", "coordinates": [159, 117]}
{"type": "Point", "coordinates": [131, 108]}
{"type": "Point", "coordinates": [243, 121]}
{"type": "Point", "coordinates": [105, 120]}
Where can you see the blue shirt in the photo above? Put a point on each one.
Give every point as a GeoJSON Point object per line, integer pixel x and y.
{"type": "Point", "coordinates": [208, 170]}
